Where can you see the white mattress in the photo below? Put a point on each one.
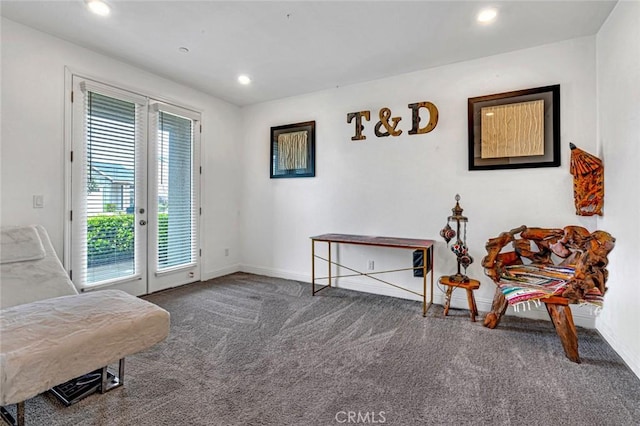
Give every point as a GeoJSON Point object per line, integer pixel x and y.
{"type": "Point", "coordinates": [30, 280]}
{"type": "Point", "coordinates": [48, 342]}
{"type": "Point", "coordinates": [19, 243]}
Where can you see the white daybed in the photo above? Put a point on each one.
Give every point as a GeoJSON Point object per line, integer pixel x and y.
{"type": "Point", "coordinates": [29, 267]}
{"type": "Point", "coordinates": [47, 340]}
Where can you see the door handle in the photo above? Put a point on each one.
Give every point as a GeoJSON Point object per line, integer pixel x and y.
{"type": "Point", "coordinates": [143, 222]}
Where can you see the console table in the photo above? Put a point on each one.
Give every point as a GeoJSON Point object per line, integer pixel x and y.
{"type": "Point", "coordinates": [425, 246]}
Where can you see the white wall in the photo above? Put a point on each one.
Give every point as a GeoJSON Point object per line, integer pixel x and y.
{"type": "Point", "coordinates": [618, 68]}
{"type": "Point", "coordinates": [32, 149]}
{"type": "Point", "coordinates": [386, 186]}
{"type": "Point", "coordinates": [405, 186]}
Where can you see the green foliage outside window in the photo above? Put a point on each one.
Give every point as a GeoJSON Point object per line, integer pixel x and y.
{"type": "Point", "coordinates": [110, 238]}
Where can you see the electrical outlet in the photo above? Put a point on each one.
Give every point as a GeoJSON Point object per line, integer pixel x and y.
{"type": "Point", "coordinates": [226, 252]}
{"type": "Point", "coordinates": [371, 265]}
{"type": "Point", "coordinates": [38, 201]}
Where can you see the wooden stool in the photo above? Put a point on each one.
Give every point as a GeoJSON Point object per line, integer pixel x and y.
{"type": "Point", "coordinates": [469, 286]}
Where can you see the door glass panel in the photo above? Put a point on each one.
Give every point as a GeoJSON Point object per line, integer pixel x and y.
{"type": "Point", "coordinates": [175, 195]}
{"type": "Point", "coordinates": [111, 189]}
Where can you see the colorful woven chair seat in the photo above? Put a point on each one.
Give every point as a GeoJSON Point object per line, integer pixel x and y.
{"type": "Point", "coordinates": [550, 266]}
{"type": "Point", "coordinates": [522, 284]}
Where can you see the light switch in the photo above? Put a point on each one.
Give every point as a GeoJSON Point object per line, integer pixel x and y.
{"type": "Point", "coordinates": [38, 201]}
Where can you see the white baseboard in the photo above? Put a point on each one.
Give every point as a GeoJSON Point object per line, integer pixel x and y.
{"type": "Point", "coordinates": [581, 316]}
{"type": "Point", "coordinates": [276, 273]}
{"type": "Point", "coordinates": [628, 356]}
{"type": "Point", "coordinates": [209, 275]}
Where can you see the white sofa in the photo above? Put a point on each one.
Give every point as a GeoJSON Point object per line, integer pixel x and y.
{"type": "Point", "coordinates": [50, 334]}
{"type": "Point", "coordinates": [29, 267]}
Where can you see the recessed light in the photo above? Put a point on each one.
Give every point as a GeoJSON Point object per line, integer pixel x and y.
{"type": "Point", "coordinates": [244, 79]}
{"type": "Point", "coordinates": [487, 15]}
{"type": "Point", "coordinates": [183, 49]}
{"type": "Point", "coordinates": [99, 7]}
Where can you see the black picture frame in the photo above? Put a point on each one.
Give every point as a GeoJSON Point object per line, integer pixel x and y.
{"type": "Point", "coordinates": [547, 138]}
{"type": "Point", "coordinates": [302, 159]}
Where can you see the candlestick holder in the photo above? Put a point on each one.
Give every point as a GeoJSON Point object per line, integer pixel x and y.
{"type": "Point", "coordinates": [459, 248]}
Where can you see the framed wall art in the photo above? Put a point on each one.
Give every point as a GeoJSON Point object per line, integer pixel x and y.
{"type": "Point", "coordinates": [513, 130]}
{"type": "Point", "coordinates": [293, 150]}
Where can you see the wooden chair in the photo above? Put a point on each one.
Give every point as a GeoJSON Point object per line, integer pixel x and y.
{"type": "Point", "coordinates": [557, 267]}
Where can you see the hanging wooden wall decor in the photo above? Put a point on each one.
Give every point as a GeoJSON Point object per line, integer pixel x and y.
{"type": "Point", "coordinates": [588, 182]}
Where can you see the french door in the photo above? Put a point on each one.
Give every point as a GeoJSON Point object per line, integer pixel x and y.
{"type": "Point", "coordinates": [134, 191]}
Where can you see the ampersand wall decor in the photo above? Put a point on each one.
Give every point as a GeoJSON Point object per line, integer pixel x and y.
{"type": "Point", "coordinates": [385, 114]}
{"type": "Point", "coordinates": [391, 123]}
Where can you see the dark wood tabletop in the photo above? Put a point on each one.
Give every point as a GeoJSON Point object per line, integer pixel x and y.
{"type": "Point", "coordinates": [375, 241]}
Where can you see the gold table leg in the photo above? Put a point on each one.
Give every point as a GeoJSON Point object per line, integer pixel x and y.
{"type": "Point", "coordinates": [424, 282]}
{"type": "Point", "coordinates": [313, 267]}
{"type": "Point", "coordinates": [329, 263]}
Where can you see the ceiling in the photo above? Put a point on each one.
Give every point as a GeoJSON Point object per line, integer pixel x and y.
{"type": "Point", "coordinates": [294, 47]}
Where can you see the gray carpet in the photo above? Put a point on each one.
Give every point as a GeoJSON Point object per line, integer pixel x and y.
{"type": "Point", "coordinates": [252, 350]}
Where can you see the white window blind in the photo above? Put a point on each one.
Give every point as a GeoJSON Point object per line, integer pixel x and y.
{"type": "Point", "coordinates": [105, 236]}
{"type": "Point", "coordinates": [175, 189]}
